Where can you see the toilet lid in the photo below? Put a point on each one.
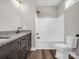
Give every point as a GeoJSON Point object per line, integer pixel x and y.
{"type": "Point", "coordinates": [61, 45]}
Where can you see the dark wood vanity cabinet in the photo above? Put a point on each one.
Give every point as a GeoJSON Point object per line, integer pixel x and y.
{"type": "Point", "coordinates": [18, 49]}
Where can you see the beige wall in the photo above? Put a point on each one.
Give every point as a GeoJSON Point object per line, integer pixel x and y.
{"type": "Point", "coordinates": [12, 17]}
{"type": "Point", "coordinates": [60, 14]}
{"type": "Point", "coordinates": [71, 16]}
{"type": "Point", "coordinates": [47, 11]}
{"type": "Point", "coordinates": [72, 19]}
{"type": "Point", "coordinates": [9, 17]}
{"type": "Point", "coordinates": [28, 18]}
{"type": "Point", "coordinates": [61, 8]}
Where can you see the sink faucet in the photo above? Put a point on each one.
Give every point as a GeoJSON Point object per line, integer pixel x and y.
{"type": "Point", "coordinates": [18, 30]}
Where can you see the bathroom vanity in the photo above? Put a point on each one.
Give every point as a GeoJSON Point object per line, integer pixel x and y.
{"type": "Point", "coordinates": [16, 47]}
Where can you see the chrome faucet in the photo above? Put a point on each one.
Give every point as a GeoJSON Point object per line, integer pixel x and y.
{"type": "Point", "coordinates": [18, 30]}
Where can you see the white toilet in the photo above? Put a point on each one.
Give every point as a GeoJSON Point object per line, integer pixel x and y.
{"type": "Point", "coordinates": [61, 53]}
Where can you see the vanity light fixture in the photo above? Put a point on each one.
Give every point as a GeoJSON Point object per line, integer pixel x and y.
{"type": "Point", "coordinates": [19, 1]}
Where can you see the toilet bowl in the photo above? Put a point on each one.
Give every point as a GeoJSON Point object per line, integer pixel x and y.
{"type": "Point", "coordinates": [61, 51]}
{"type": "Point", "coordinates": [61, 48]}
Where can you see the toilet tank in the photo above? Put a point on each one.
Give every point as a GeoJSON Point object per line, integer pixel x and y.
{"type": "Point", "coordinates": [71, 41]}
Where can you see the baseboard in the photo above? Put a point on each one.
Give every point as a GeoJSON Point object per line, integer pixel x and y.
{"type": "Point", "coordinates": [33, 49]}
{"type": "Point", "coordinates": [45, 48]}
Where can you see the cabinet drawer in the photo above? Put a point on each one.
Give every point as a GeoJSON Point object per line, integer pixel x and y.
{"type": "Point", "coordinates": [8, 48]}
{"type": "Point", "coordinates": [25, 38]}
{"type": "Point", "coordinates": [23, 41]}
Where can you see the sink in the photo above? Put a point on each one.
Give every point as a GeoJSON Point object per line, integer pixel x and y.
{"type": "Point", "coordinates": [4, 37]}
{"type": "Point", "coordinates": [8, 36]}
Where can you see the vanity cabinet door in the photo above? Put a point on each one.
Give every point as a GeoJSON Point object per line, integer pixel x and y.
{"type": "Point", "coordinates": [23, 48]}
{"type": "Point", "coordinates": [27, 50]}
{"type": "Point", "coordinates": [29, 41]}
{"type": "Point", "coordinates": [4, 57]}
{"type": "Point", "coordinates": [14, 55]}
{"type": "Point", "coordinates": [29, 44]}
{"type": "Point", "coordinates": [15, 50]}
{"type": "Point", "coordinates": [23, 53]}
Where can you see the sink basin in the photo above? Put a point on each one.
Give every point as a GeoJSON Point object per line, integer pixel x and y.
{"type": "Point", "coordinates": [4, 37]}
{"type": "Point", "coordinates": [8, 36]}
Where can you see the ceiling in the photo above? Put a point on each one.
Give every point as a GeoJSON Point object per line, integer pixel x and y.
{"type": "Point", "coordinates": [47, 2]}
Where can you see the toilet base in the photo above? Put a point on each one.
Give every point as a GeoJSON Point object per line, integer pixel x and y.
{"type": "Point", "coordinates": [61, 54]}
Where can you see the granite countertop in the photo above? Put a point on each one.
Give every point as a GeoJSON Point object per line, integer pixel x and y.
{"type": "Point", "coordinates": [12, 36]}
